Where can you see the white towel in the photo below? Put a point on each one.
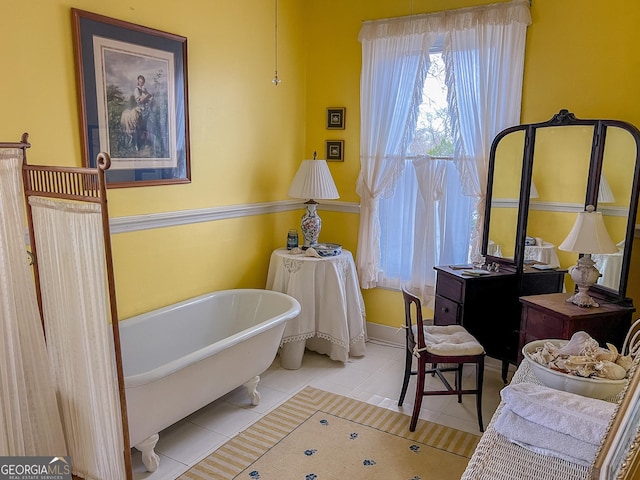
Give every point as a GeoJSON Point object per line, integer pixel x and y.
{"type": "Point", "coordinates": [581, 417]}
{"type": "Point", "coordinates": [543, 440]}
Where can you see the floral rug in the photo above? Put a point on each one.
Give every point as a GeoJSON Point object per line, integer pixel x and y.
{"type": "Point", "coordinates": [317, 435]}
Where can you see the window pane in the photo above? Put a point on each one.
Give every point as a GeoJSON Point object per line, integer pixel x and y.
{"type": "Point", "coordinates": [433, 130]}
{"type": "Point", "coordinates": [435, 229]}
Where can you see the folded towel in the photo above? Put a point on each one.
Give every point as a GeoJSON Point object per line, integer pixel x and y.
{"type": "Point", "coordinates": [581, 417]}
{"type": "Point", "coordinates": [543, 440]}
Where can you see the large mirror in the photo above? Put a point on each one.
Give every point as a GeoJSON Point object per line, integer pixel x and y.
{"type": "Point", "coordinates": [505, 183]}
{"type": "Point", "coordinates": [614, 199]}
{"type": "Point", "coordinates": [541, 175]}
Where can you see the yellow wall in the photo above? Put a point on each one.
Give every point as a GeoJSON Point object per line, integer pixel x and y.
{"type": "Point", "coordinates": [248, 137]}
{"type": "Point", "coordinates": [580, 55]}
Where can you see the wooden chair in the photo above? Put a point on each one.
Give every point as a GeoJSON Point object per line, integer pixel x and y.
{"type": "Point", "coordinates": [438, 345]}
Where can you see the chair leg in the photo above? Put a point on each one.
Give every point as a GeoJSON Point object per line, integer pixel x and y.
{"type": "Point", "coordinates": [407, 375]}
{"type": "Point", "coordinates": [479, 380]}
{"type": "Point", "coordinates": [459, 381]}
{"type": "Point", "coordinates": [505, 371]}
{"type": "Point", "coordinates": [419, 394]}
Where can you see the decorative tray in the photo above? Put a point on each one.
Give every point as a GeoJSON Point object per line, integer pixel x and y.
{"type": "Point", "coordinates": [328, 249]}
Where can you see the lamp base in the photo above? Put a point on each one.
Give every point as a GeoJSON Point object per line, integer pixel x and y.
{"type": "Point", "coordinates": [584, 275]}
{"type": "Point", "coordinates": [310, 225]}
{"type": "Point", "coordinates": [582, 299]}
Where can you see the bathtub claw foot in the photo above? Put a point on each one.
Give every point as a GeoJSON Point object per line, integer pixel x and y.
{"type": "Point", "coordinates": [252, 388]}
{"type": "Point", "coordinates": [150, 459]}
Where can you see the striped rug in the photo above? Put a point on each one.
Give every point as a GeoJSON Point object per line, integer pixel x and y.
{"type": "Point", "coordinates": [321, 435]}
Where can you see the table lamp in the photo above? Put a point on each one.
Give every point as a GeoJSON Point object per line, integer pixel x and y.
{"type": "Point", "coordinates": [312, 181]}
{"type": "Point", "coordinates": [588, 235]}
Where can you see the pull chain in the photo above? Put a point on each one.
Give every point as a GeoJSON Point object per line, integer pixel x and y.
{"type": "Point", "coordinates": [276, 81]}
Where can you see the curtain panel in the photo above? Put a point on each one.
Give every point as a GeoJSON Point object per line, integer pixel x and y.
{"type": "Point", "coordinates": [484, 57]}
{"type": "Point", "coordinates": [75, 299]}
{"type": "Point", "coordinates": [30, 423]}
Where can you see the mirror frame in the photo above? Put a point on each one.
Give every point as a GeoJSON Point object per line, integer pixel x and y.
{"type": "Point", "coordinates": [566, 118]}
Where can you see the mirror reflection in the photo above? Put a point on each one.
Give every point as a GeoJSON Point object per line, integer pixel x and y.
{"type": "Point", "coordinates": [614, 197]}
{"type": "Point", "coordinates": [505, 196]}
{"type": "Point", "coordinates": [573, 162]}
{"type": "Point", "coordinates": [568, 163]}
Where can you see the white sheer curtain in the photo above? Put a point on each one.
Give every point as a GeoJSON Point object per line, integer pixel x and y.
{"type": "Point", "coordinates": [484, 51]}
{"type": "Point", "coordinates": [394, 66]}
{"type": "Point", "coordinates": [71, 262]}
{"type": "Point", "coordinates": [29, 417]}
{"type": "Point", "coordinates": [484, 57]}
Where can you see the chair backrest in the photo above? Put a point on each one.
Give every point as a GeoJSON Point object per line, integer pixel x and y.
{"type": "Point", "coordinates": [413, 321]}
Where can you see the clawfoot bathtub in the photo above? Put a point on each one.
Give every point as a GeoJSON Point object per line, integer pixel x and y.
{"type": "Point", "coordinates": [179, 358]}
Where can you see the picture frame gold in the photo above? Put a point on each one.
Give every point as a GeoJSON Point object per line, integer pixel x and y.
{"type": "Point", "coordinates": [133, 100]}
{"type": "Point", "coordinates": [336, 118]}
{"type": "Point", "coordinates": [334, 150]}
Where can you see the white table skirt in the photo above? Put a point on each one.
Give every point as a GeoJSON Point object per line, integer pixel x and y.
{"type": "Point", "coordinates": [545, 253]}
{"type": "Point", "coordinates": [610, 268]}
{"type": "Point", "coordinates": [332, 317]}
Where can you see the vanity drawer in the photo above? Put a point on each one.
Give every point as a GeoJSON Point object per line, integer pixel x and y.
{"type": "Point", "coordinates": [538, 325]}
{"type": "Point", "coordinates": [450, 287]}
{"type": "Point", "coordinates": [446, 312]}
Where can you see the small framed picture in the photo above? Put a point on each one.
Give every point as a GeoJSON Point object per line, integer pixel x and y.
{"type": "Point", "coordinates": [335, 118]}
{"type": "Point", "coordinates": [335, 149]}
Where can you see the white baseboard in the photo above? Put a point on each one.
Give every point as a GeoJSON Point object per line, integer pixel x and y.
{"type": "Point", "coordinates": [385, 334]}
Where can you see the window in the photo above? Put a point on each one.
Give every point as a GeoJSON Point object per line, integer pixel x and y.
{"type": "Point", "coordinates": [421, 201]}
{"type": "Point", "coordinates": [453, 214]}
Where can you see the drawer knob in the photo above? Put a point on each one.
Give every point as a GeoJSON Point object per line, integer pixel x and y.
{"type": "Point", "coordinates": [445, 309]}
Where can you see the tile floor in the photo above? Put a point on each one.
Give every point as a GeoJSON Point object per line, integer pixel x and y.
{"type": "Point", "coordinates": [375, 378]}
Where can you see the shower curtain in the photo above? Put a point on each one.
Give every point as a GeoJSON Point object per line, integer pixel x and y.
{"type": "Point", "coordinates": [30, 423]}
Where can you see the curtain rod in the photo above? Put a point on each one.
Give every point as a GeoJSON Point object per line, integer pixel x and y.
{"type": "Point", "coordinates": [456, 10]}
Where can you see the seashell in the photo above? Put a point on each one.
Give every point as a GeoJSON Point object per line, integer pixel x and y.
{"type": "Point", "coordinates": [578, 344]}
{"type": "Point", "coordinates": [311, 252]}
{"type": "Point", "coordinates": [610, 370]}
{"type": "Point", "coordinates": [584, 371]}
{"type": "Point", "coordinates": [625, 361]}
{"type": "Point", "coordinates": [577, 360]}
{"type": "Point", "coordinates": [560, 364]}
{"type": "Point", "coordinates": [606, 353]}
{"type": "Point", "coordinates": [587, 360]}
{"type": "Point", "coordinates": [613, 349]}
{"type": "Point", "coordinates": [549, 349]}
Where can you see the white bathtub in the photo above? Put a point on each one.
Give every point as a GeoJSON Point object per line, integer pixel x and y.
{"type": "Point", "coordinates": [179, 358]}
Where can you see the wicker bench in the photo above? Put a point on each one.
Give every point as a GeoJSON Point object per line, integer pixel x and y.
{"type": "Point", "coordinates": [496, 458]}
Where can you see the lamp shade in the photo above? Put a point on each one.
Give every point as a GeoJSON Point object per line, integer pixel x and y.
{"type": "Point", "coordinates": [313, 180]}
{"type": "Point", "coordinates": [589, 235]}
{"type": "Point", "coordinates": [533, 192]}
{"type": "Point", "coordinates": [605, 195]}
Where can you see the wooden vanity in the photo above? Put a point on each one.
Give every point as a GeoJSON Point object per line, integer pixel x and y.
{"type": "Point", "coordinates": [487, 305]}
{"type": "Point", "coordinates": [551, 316]}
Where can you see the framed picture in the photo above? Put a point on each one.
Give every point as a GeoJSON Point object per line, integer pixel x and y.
{"type": "Point", "coordinates": [335, 118]}
{"type": "Point", "coordinates": [335, 150]}
{"type": "Point", "coordinates": [133, 102]}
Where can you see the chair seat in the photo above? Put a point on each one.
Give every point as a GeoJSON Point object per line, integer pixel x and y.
{"type": "Point", "coordinates": [450, 341]}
